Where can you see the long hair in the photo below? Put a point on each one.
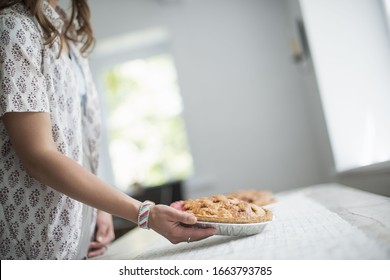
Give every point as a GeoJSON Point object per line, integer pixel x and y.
{"type": "Point", "coordinates": [80, 32]}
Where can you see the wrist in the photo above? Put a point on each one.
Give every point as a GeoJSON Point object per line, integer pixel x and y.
{"type": "Point", "coordinates": [144, 214]}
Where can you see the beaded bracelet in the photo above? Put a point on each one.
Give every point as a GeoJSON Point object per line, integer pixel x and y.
{"type": "Point", "coordinates": [143, 214]}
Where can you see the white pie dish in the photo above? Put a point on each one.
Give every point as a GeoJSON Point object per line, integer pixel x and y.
{"type": "Point", "coordinates": [236, 229]}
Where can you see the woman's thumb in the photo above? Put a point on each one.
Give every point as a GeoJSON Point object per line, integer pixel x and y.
{"type": "Point", "coordinates": [186, 218]}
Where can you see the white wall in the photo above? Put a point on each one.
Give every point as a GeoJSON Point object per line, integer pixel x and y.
{"type": "Point", "coordinates": [350, 49]}
{"type": "Point", "coordinates": [246, 109]}
{"type": "Point", "coordinates": [313, 102]}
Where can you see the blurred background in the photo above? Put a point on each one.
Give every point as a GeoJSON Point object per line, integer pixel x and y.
{"type": "Point", "coordinates": [221, 95]}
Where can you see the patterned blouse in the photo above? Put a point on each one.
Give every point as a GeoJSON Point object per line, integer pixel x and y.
{"type": "Point", "coordinates": [36, 221]}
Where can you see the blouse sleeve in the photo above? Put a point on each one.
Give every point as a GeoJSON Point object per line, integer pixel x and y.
{"type": "Point", "coordinates": [22, 83]}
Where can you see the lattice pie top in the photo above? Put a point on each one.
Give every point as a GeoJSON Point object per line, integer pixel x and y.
{"type": "Point", "coordinates": [258, 197]}
{"type": "Point", "coordinates": [223, 209]}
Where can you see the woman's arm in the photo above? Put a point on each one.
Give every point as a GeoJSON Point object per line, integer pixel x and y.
{"type": "Point", "coordinates": [31, 137]}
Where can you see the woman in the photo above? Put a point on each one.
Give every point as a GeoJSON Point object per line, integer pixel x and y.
{"type": "Point", "coordinates": [49, 133]}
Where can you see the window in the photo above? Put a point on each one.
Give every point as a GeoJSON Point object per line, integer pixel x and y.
{"type": "Point", "coordinates": [144, 137]}
{"type": "Point", "coordinates": [146, 133]}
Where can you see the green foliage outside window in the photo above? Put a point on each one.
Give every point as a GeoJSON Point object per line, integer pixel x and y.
{"type": "Point", "coordinates": [147, 137]}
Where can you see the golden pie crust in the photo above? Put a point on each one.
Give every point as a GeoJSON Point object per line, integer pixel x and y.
{"type": "Point", "coordinates": [260, 198]}
{"type": "Point", "coordinates": [223, 209]}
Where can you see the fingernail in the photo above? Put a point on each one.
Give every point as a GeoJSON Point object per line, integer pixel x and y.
{"type": "Point", "coordinates": [192, 219]}
{"type": "Point", "coordinates": [99, 239]}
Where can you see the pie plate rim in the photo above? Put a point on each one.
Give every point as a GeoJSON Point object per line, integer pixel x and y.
{"type": "Point", "coordinates": [235, 229]}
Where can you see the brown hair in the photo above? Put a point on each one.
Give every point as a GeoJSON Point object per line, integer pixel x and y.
{"type": "Point", "coordinates": [80, 32]}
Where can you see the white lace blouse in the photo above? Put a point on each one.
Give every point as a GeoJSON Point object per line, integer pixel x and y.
{"type": "Point", "coordinates": [37, 222]}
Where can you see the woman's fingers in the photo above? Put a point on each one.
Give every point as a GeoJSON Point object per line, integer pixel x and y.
{"type": "Point", "coordinates": [171, 223]}
{"type": "Point", "coordinates": [96, 252]}
{"type": "Point", "coordinates": [179, 205]}
{"type": "Point", "coordinates": [96, 249]}
{"type": "Point", "coordinates": [96, 245]}
{"type": "Point", "coordinates": [183, 217]}
{"type": "Point", "coordinates": [196, 234]}
{"type": "Point", "coordinates": [162, 215]}
{"type": "Point", "coordinates": [189, 234]}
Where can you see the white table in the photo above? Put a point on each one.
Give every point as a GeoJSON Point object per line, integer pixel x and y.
{"type": "Point", "coordinates": [328, 221]}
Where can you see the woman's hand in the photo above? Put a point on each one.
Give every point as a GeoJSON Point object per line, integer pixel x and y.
{"type": "Point", "coordinates": [169, 221]}
{"type": "Point", "coordinates": [104, 234]}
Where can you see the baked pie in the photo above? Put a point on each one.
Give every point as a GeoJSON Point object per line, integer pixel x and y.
{"type": "Point", "coordinates": [223, 209]}
{"type": "Point", "coordinates": [260, 198]}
